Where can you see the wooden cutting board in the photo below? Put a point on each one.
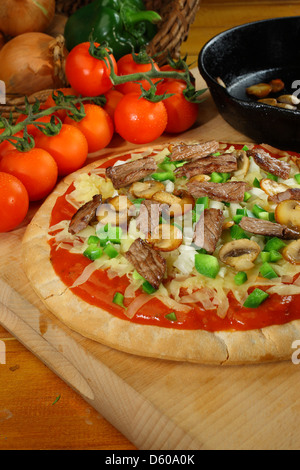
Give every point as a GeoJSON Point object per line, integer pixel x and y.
{"type": "Point", "coordinates": [157, 404]}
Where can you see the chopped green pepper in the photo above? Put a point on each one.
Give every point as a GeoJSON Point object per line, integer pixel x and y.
{"type": "Point", "coordinates": [259, 211]}
{"type": "Point", "coordinates": [255, 299]}
{"type": "Point", "coordinates": [216, 178]}
{"type": "Point", "coordinates": [297, 178]}
{"type": "Point", "coordinates": [267, 271]}
{"type": "Point", "coordinates": [164, 176]}
{"type": "Point", "coordinates": [274, 244]}
{"type": "Point", "coordinates": [202, 203]}
{"type": "Point", "coordinates": [256, 183]}
{"type": "Point", "coordinates": [272, 177]}
{"type": "Point", "coordinates": [148, 288]}
{"type": "Point", "coordinates": [237, 233]}
{"type": "Point", "coordinates": [171, 316]}
{"type": "Point", "coordinates": [93, 240]}
{"type": "Point", "coordinates": [240, 278]}
{"type": "Point", "coordinates": [119, 299]}
{"type": "Point", "coordinates": [110, 251]}
{"type": "Point", "coordinates": [265, 256]}
{"type": "Point", "coordinates": [275, 256]}
{"type": "Point", "coordinates": [207, 265]}
{"type": "Point", "coordinates": [93, 252]}
{"type": "Point", "coordinates": [124, 25]}
{"type": "Point", "coordinates": [247, 196]}
{"type": "Point", "coordinates": [136, 276]}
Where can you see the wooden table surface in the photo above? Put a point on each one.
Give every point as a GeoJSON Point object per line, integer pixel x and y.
{"type": "Point", "coordinates": [37, 409]}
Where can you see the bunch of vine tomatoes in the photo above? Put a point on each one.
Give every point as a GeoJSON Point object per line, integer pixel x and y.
{"type": "Point", "coordinates": [31, 175]}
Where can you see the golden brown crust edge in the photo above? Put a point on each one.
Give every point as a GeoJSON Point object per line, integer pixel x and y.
{"type": "Point", "coordinates": [269, 344]}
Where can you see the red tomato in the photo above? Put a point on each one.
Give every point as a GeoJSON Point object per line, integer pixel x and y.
{"type": "Point", "coordinates": [88, 76]}
{"type": "Point", "coordinates": [14, 202]}
{"type": "Point", "coordinates": [6, 146]}
{"type": "Point", "coordinates": [49, 103]}
{"type": "Point", "coordinates": [138, 120]}
{"type": "Point", "coordinates": [113, 97]}
{"type": "Point", "coordinates": [69, 148]}
{"type": "Point", "coordinates": [126, 66]}
{"type": "Point", "coordinates": [182, 114]}
{"type": "Point", "coordinates": [97, 127]}
{"type": "Point", "coordinates": [36, 169]}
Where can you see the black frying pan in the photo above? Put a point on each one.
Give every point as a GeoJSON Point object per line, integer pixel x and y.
{"type": "Point", "coordinates": [249, 54]}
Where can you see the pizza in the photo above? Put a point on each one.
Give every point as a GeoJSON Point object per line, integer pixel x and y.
{"type": "Point", "coordinates": [188, 251]}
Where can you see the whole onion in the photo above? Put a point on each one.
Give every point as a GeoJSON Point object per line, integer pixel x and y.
{"type": "Point", "coordinates": [32, 62]}
{"type": "Point", "coordinates": [23, 16]}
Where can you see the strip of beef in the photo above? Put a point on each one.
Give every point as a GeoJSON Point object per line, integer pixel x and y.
{"type": "Point", "coordinates": [148, 262]}
{"type": "Point", "coordinates": [226, 163]}
{"type": "Point", "coordinates": [233, 191]}
{"type": "Point", "coordinates": [289, 194]}
{"type": "Point", "coordinates": [209, 229]}
{"type": "Point", "coordinates": [85, 215]}
{"type": "Point", "coordinates": [128, 173]}
{"type": "Point", "coordinates": [272, 165]}
{"type": "Point", "coordinates": [268, 229]}
{"type": "Point", "coordinates": [191, 151]}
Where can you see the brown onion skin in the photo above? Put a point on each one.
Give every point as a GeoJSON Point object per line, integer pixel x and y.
{"type": "Point", "coordinates": [26, 64]}
{"type": "Point", "coordinates": [23, 16]}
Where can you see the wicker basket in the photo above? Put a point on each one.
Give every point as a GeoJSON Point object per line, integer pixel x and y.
{"type": "Point", "coordinates": [177, 17]}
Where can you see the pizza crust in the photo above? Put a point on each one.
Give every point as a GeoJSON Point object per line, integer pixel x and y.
{"type": "Point", "coordinates": [269, 344]}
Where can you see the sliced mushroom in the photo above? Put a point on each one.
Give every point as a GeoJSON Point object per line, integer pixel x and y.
{"type": "Point", "coordinates": [200, 178]}
{"type": "Point", "coordinates": [243, 163]}
{"type": "Point", "coordinates": [291, 253]}
{"type": "Point", "coordinates": [289, 99]}
{"type": "Point", "coordinates": [286, 106]}
{"type": "Point", "coordinates": [146, 189]}
{"type": "Point", "coordinates": [260, 90]}
{"type": "Point", "coordinates": [288, 213]}
{"type": "Point", "coordinates": [277, 85]}
{"type": "Point", "coordinates": [269, 101]}
{"type": "Point", "coordinates": [271, 187]}
{"type": "Point", "coordinates": [166, 238]}
{"type": "Point", "coordinates": [115, 211]}
{"type": "Point", "coordinates": [179, 205]}
{"type": "Point", "coordinates": [240, 254]}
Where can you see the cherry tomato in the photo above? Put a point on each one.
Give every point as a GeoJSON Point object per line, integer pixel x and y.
{"type": "Point", "coordinates": [138, 120]}
{"type": "Point", "coordinates": [88, 76]}
{"type": "Point", "coordinates": [97, 127]}
{"type": "Point", "coordinates": [14, 202]}
{"type": "Point", "coordinates": [36, 169]}
{"type": "Point", "coordinates": [113, 97]}
{"type": "Point", "coordinates": [182, 114]}
{"type": "Point", "coordinates": [127, 65]}
{"type": "Point", "coordinates": [49, 103]}
{"type": "Point", "coordinates": [6, 146]}
{"type": "Point", "coordinates": [69, 148]}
